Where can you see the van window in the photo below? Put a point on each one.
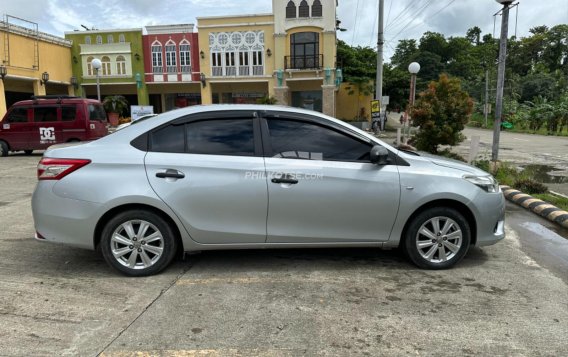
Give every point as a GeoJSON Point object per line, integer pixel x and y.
{"type": "Point", "coordinates": [97, 112]}
{"type": "Point", "coordinates": [68, 113]}
{"type": "Point", "coordinates": [18, 115]}
{"type": "Point", "coordinates": [45, 114]}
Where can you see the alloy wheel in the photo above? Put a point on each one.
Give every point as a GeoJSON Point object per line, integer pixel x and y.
{"type": "Point", "coordinates": [137, 244]}
{"type": "Point", "coordinates": [439, 239]}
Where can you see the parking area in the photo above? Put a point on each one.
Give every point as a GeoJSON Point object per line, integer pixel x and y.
{"type": "Point", "coordinates": [57, 300]}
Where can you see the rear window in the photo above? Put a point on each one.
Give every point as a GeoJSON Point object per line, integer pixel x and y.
{"type": "Point", "coordinates": [97, 112]}
{"type": "Point", "coordinates": [45, 114]}
{"type": "Point", "coordinates": [18, 115]}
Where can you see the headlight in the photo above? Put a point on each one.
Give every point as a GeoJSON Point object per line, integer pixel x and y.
{"type": "Point", "coordinates": [487, 183]}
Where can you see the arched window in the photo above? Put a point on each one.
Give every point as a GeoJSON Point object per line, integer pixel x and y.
{"type": "Point", "coordinates": [121, 38]}
{"type": "Point", "coordinates": [110, 39]}
{"type": "Point", "coordinates": [304, 48]}
{"type": "Point", "coordinates": [120, 65]}
{"type": "Point", "coordinates": [171, 63]}
{"type": "Point", "coordinates": [157, 62]}
{"type": "Point", "coordinates": [88, 40]}
{"type": "Point", "coordinates": [291, 10]}
{"type": "Point", "coordinates": [304, 9]}
{"type": "Point", "coordinates": [90, 70]}
{"type": "Point", "coordinates": [316, 9]}
{"type": "Point", "coordinates": [105, 60]}
{"type": "Point", "coordinates": [99, 39]}
{"type": "Point", "coordinates": [184, 57]}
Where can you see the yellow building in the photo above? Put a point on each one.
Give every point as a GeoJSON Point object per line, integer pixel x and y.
{"type": "Point", "coordinates": [289, 54]}
{"type": "Point", "coordinates": [33, 63]}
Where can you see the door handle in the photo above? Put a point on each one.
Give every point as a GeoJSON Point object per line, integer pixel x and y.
{"type": "Point", "coordinates": [285, 178]}
{"type": "Point", "coordinates": [170, 173]}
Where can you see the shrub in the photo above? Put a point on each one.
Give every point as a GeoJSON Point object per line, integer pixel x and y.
{"type": "Point", "coordinates": [529, 186]}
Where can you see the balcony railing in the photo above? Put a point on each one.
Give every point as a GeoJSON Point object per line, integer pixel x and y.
{"type": "Point", "coordinates": [237, 71]}
{"type": "Point", "coordinates": [304, 62]}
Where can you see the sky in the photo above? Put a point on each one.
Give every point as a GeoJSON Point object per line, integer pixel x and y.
{"type": "Point", "coordinates": [404, 19]}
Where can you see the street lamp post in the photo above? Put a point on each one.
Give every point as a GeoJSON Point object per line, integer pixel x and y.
{"type": "Point", "coordinates": [96, 63]}
{"type": "Point", "coordinates": [500, 77]}
{"type": "Point", "coordinates": [413, 68]}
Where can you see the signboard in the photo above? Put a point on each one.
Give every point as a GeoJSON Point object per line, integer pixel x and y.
{"type": "Point", "coordinates": [375, 106]}
{"type": "Point", "coordinates": [138, 111]}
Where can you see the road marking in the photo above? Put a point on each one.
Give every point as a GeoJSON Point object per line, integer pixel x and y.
{"type": "Point", "coordinates": [268, 279]}
{"type": "Point", "coordinates": [520, 139]}
{"type": "Point", "coordinates": [231, 352]}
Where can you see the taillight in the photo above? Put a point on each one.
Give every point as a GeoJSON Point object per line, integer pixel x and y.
{"type": "Point", "coordinates": [56, 169]}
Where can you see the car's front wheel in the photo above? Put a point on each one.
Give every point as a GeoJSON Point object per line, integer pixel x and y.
{"type": "Point", "coordinates": [437, 238]}
{"type": "Point", "coordinates": [138, 243]}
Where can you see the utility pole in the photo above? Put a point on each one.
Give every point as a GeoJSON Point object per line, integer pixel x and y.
{"type": "Point", "coordinates": [380, 43]}
{"type": "Point", "coordinates": [486, 111]}
{"type": "Point", "coordinates": [500, 77]}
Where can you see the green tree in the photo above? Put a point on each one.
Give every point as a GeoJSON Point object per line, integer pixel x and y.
{"type": "Point", "coordinates": [441, 112]}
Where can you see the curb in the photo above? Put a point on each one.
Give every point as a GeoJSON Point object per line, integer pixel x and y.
{"type": "Point", "coordinates": [543, 209]}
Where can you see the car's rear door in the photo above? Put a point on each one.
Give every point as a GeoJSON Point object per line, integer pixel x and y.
{"type": "Point", "coordinates": [209, 169]}
{"type": "Point", "coordinates": [322, 187]}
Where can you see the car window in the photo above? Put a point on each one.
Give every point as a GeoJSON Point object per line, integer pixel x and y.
{"type": "Point", "coordinates": [68, 112]}
{"type": "Point", "coordinates": [45, 114]}
{"type": "Point", "coordinates": [18, 115]}
{"type": "Point", "coordinates": [97, 112]}
{"type": "Point", "coordinates": [221, 137]}
{"type": "Point", "coordinates": [292, 139]}
{"type": "Point", "coordinates": [168, 139]}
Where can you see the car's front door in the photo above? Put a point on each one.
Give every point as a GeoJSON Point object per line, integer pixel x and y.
{"type": "Point", "coordinates": [210, 172]}
{"type": "Point", "coordinates": [322, 188]}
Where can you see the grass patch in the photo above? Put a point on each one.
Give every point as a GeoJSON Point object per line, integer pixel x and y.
{"type": "Point", "coordinates": [557, 201]}
{"type": "Point", "coordinates": [477, 120]}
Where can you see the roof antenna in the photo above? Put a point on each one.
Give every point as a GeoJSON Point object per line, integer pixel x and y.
{"type": "Point", "coordinates": [85, 27]}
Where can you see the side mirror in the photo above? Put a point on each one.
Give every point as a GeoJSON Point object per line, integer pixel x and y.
{"type": "Point", "coordinates": [379, 155]}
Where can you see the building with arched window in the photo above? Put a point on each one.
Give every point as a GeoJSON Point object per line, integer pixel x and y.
{"type": "Point", "coordinates": [122, 70]}
{"type": "Point", "coordinates": [288, 54]}
{"type": "Point", "coordinates": [172, 66]}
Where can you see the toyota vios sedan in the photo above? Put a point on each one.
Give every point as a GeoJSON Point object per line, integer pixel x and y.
{"type": "Point", "coordinates": [252, 176]}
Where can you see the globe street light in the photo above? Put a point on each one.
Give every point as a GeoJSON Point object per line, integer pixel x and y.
{"type": "Point", "coordinates": [97, 64]}
{"type": "Point", "coordinates": [413, 68]}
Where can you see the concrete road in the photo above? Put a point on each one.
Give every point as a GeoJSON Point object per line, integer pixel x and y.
{"type": "Point", "coordinates": [57, 300]}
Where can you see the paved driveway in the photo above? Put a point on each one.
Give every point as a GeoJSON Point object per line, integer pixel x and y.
{"type": "Point", "coordinates": [63, 301]}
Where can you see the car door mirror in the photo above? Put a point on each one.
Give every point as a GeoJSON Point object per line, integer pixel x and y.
{"type": "Point", "coordinates": [379, 155]}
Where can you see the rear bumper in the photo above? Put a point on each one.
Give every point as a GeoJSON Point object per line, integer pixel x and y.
{"type": "Point", "coordinates": [63, 220]}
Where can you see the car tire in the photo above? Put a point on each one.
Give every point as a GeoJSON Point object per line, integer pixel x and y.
{"type": "Point", "coordinates": [3, 148]}
{"type": "Point", "coordinates": [28, 152]}
{"type": "Point", "coordinates": [138, 243]}
{"type": "Point", "coordinates": [437, 238]}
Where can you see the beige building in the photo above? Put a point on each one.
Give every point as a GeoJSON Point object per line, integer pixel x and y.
{"type": "Point", "coordinates": [33, 62]}
{"type": "Point", "coordinates": [289, 55]}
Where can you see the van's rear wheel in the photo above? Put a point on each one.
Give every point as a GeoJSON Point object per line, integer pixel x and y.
{"type": "Point", "coordinates": [3, 148]}
{"type": "Point", "coordinates": [28, 152]}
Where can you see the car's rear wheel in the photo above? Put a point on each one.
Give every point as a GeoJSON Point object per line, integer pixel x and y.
{"type": "Point", "coordinates": [138, 243]}
{"type": "Point", "coordinates": [28, 152]}
{"type": "Point", "coordinates": [3, 148]}
{"type": "Point", "coordinates": [437, 238]}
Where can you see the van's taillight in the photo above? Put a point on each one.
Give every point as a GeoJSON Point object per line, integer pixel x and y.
{"type": "Point", "coordinates": [56, 169]}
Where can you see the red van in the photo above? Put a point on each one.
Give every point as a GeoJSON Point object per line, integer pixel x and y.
{"type": "Point", "coordinates": [46, 120]}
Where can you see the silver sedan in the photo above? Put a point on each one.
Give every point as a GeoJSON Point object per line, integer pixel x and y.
{"type": "Point", "coordinates": [252, 176]}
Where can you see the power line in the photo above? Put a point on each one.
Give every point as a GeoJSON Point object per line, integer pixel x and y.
{"type": "Point", "coordinates": [402, 13]}
{"type": "Point", "coordinates": [389, 14]}
{"type": "Point", "coordinates": [416, 14]}
{"type": "Point", "coordinates": [373, 29]}
{"type": "Point", "coordinates": [430, 16]}
{"type": "Point", "coordinates": [355, 24]}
